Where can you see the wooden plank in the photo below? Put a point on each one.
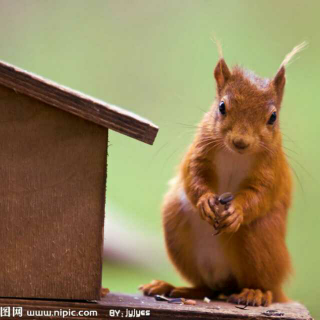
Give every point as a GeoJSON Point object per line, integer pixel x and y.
{"type": "Point", "coordinates": [74, 102]}
{"type": "Point", "coordinates": [53, 178]}
{"type": "Point", "coordinates": [118, 306]}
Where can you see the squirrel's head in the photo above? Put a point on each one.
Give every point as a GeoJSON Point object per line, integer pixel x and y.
{"type": "Point", "coordinates": [246, 111]}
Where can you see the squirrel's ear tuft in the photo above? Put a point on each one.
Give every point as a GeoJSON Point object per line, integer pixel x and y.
{"type": "Point", "coordinates": [222, 74]}
{"type": "Point", "coordinates": [279, 82]}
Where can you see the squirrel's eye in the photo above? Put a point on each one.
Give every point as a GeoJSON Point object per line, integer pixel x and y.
{"type": "Point", "coordinates": [272, 118]}
{"type": "Point", "coordinates": [222, 108]}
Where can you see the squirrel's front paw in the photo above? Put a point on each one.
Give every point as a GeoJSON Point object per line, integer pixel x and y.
{"type": "Point", "coordinates": [230, 219]}
{"type": "Point", "coordinates": [208, 207]}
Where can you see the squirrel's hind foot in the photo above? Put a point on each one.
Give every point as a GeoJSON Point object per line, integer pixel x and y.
{"type": "Point", "coordinates": [252, 297]}
{"type": "Point", "coordinates": [156, 287]}
{"type": "Point", "coordinates": [163, 288]}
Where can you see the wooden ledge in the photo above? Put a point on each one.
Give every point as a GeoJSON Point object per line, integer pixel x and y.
{"type": "Point", "coordinates": [118, 306]}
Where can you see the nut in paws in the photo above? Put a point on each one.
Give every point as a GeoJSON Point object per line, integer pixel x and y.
{"type": "Point", "coordinates": [230, 219]}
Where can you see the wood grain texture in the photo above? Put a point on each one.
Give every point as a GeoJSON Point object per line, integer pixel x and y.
{"type": "Point", "coordinates": [52, 196]}
{"type": "Point", "coordinates": [74, 102]}
{"type": "Point", "coordinates": [161, 310]}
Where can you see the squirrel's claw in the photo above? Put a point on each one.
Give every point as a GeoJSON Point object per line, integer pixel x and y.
{"type": "Point", "coordinates": [208, 208]}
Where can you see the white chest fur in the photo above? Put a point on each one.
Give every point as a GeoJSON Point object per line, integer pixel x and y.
{"type": "Point", "coordinates": [212, 263]}
{"type": "Point", "coordinates": [231, 169]}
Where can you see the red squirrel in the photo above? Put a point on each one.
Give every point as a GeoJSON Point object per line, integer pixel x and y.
{"type": "Point", "coordinates": [237, 249]}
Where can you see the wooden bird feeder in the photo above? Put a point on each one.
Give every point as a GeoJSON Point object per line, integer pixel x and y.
{"type": "Point", "coordinates": [53, 160]}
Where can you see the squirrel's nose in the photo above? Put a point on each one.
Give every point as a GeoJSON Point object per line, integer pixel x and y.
{"type": "Point", "coordinates": [239, 143]}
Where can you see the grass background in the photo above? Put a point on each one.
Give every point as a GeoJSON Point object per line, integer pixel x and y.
{"type": "Point", "coordinates": [156, 58]}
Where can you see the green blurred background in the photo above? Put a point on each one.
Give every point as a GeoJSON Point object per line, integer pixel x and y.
{"type": "Point", "coordinates": [156, 58]}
